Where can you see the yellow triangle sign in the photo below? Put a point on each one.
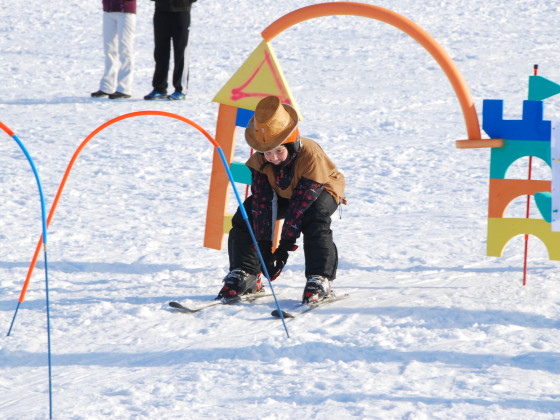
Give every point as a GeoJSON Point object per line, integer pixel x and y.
{"type": "Point", "coordinates": [258, 77]}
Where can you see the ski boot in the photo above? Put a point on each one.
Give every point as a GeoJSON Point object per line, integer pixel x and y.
{"type": "Point", "coordinates": [317, 288]}
{"type": "Point", "coordinates": [239, 283]}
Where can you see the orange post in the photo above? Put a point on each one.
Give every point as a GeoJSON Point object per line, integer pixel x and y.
{"type": "Point", "coordinates": [219, 183]}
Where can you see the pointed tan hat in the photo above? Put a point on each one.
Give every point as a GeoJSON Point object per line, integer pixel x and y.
{"type": "Point", "coordinates": [273, 124]}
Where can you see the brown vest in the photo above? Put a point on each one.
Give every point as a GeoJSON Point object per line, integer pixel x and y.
{"type": "Point", "coordinates": [312, 163]}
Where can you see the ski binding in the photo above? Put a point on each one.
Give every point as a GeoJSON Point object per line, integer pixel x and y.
{"type": "Point", "coordinates": [302, 309]}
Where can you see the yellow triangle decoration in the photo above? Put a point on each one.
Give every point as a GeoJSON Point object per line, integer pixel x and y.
{"type": "Point", "coordinates": [258, 77]}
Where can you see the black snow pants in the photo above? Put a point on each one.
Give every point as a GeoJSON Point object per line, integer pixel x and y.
{"type": "Point", "coordinates": [321, 256]}
{"type": "Point", "coordinates": [171, 26]}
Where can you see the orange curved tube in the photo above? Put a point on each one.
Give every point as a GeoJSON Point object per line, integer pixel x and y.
{"type": "Point", "coordinates": [406, 25]}
{"type": "Point", "coordinates": [6, 129]}
{"type": "Point", "coordinates": [73, 160]}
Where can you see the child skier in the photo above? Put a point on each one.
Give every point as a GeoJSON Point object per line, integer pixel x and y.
{"type": "Point", "coordinates": [292, 179]}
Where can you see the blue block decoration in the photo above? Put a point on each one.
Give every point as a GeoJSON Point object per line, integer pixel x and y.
{"type": "Point", "coordinates": [243, 117]}
{"type": "Point", "coordinates": [532, 127]}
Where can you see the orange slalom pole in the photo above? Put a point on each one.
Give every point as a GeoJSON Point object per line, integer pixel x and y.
{"type": "Point", "coordinates": [73, 160]}
{"type": "Point", "coordinates": [404, 24]}
{"type": "Point", "coordinates": [6, 129]}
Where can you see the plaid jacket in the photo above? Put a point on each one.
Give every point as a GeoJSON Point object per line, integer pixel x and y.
{"type": "Point", "coordinates": [300, 181]}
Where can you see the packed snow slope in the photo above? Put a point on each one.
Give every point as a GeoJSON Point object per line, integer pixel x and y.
{"type": "Point", "coordinates": [433, 329]}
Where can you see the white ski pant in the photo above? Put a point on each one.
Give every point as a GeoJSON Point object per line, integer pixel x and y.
{"type": "Point", "coordinates": [118, 45]}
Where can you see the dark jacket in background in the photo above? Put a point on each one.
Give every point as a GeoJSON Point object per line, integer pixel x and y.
{"type": "Point", "coordinates": [174, 5]}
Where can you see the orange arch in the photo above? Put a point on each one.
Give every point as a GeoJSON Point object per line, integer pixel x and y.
{"type": "Point", "coordinates": [73, 160]}
{"type": "Point", "coordinates": [406, 25]}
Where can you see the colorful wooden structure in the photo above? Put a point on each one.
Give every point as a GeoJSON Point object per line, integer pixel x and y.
{"type": "Point", "coordinates": [512, 140]}
{"type": "Point", "coordinates": [261, 76]}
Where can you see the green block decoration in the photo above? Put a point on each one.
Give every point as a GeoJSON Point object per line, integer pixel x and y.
{"type": "Point", "coordinates": [541, 88]}
{"type": "Point", "coordinates": [501, 158]}
{"type": "Point", "coordinates": [241, 173]}
{"type": "Point", "coordinates": [544, 204]}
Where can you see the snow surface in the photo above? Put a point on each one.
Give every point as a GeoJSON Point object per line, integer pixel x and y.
{"type": "Point", "coordinates": [434, 329]}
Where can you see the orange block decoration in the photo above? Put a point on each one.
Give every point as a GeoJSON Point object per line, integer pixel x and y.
{"type": "Point", "coordinates": [219, 182]}
{"type": "Point", "coordinates": [504, 191]}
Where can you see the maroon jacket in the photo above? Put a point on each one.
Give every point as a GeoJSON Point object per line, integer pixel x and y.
{"type": "Point", "coordinates": [123, 6]}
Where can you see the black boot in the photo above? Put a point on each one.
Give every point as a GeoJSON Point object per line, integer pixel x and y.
{"type": "Point", "coordinates": [316, 289]}
{"type": "Point", "coordinates": [239, 283]}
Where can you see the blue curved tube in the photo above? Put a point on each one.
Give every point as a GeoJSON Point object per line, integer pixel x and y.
{"type": "Point", "coordinates": [44, 223]}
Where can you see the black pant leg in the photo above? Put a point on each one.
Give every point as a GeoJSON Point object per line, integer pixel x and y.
{"type": "Point", "coordinates": [162, 46]}
{"type": "Point", "coordinates": [180, 51]}
{"type": "Point", "coordinates": [241, 250]}
{"type": "Point", "coordinates": [321, 256]}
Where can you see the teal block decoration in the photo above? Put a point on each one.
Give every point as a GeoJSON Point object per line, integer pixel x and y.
{"type": "Point", "coordinates": [544, 204]}
{"type": "Point", "coordinates": [241, 173]}
{"type": "Point", "coordinates": [541, 88]}
{"type": "Point", "coordinates": [502, 158]}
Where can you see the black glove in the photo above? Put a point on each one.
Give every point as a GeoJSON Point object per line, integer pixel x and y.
{"type": "Point", "coordinates": [280, 258]}
{"type": "Point", "coordinates": [276, 261]}
{"type": "Point", "coordinates": [266, 251]}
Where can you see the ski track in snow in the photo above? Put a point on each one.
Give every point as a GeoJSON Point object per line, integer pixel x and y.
{"type": "Point", "coordinates": [433, 328]}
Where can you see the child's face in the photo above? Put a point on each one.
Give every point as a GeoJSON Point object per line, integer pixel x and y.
{"type": "Point", "coordinates": [277, 156]}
